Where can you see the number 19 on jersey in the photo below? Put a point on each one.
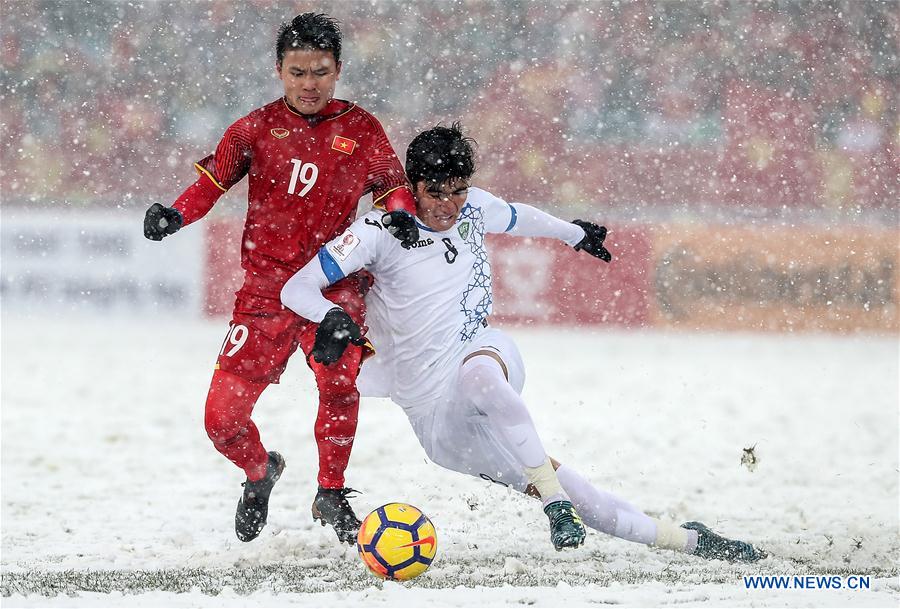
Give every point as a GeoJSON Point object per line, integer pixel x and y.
{"type": "Point", "coordinates": [306, 174]}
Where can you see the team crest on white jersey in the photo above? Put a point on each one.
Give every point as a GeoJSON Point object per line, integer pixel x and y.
{"type": "Point", "coordinates": [343, 246]}
{"type": "Point", "coordinates": [463, 229]}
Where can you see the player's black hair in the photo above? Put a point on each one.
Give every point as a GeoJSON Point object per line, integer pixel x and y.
{"type": "Point", "coordinates": [309, 31]}
{"type": "Point", "coordinates": [440, 154]}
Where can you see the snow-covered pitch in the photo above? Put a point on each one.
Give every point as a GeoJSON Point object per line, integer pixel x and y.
{"type": "Point", "coordinates": [112, 494]}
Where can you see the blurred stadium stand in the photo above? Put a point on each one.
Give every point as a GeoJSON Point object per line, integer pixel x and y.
{"type": "Point", "coordinates": [638, 110]}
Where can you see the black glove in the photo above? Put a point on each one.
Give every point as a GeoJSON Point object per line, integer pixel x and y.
{"type": "Point", "coordinates": [334, 332]}
{"type": "Point", "coordinates": [161, 221]}
{"type": "Point", "coordinates": [593, 240]}
{"type": "Point", "coordinates": [401, 225]}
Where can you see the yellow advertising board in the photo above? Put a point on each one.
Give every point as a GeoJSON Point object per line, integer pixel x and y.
{"type": "Point", "coordinates": [778, 279]}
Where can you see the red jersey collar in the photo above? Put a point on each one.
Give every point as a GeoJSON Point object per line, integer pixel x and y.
{"type": "Point", "coordinates": [333, 109]}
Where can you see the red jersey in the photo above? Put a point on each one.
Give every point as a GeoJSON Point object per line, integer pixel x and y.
{"type": "Point", "coordinates": [307, 174]}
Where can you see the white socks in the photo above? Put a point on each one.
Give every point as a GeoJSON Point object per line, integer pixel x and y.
{"type": "Point", "coordinates": [670, 536]}
{"type": "Point", "coordinates": [484, 384]}
{"type": "Point", "coordinates": [605, 512]}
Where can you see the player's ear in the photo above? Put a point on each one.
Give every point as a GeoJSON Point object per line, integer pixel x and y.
{"type": "Point", "coordinates": [278, 68]}
{"type": "Point", "coordinates": [419, 190]}
{"type": "Point", "coordinates": [337, 70]}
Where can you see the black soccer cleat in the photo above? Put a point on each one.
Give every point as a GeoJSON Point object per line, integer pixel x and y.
{"type": "Point", "coordinates": [713, 546]}
{"type": "Point", "coordinates": [331, 507]}
{"type": "Point", "coordinates": [566, 528]}
{"type": "Point", "coordinates": [253, 506]}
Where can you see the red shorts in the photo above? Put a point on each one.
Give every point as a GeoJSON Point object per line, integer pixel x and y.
{"type": "Point", "coordinates": [263, 334]}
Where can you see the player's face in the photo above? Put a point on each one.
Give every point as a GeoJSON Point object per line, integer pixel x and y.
{"type": "Point", "coordinates": [309, 78]}
{"type": "Point", "coordinates": [438, 206]}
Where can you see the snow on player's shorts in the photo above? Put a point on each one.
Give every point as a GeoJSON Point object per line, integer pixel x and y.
{"type": "Point", "coordinates": [263, 334]}
{"type": "Point", "coordinates": [457, 436]}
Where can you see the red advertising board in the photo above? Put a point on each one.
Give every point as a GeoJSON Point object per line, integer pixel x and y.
{"type": "Point", "coordinates": [546, 282]}
{"type": "Point", "coordinates": [686, 277]}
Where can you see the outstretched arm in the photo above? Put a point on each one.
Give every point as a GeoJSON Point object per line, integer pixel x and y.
{"type": "Point", "coordinates": [531, 222]}
{"type": "Point", "coordinates": [218, 172]}
{"type": "Point", "coordinates": [528, 221]}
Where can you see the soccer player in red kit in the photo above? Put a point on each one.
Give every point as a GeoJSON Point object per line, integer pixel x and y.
{"type": "Point", "coordinates": [309, 158]}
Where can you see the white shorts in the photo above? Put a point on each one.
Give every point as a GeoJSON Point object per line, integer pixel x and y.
{"type": "Point", "coordinates": [458, 437]}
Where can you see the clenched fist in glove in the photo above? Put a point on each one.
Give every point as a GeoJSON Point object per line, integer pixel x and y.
{"type": "Point", "coordinates": [335, 331]}
{"type": "Point", "coordinates": [593, 240]}
{"type": "Point", "coordinates": [161, 221]}
{"type": "Point", "coordinates": [401, 225]}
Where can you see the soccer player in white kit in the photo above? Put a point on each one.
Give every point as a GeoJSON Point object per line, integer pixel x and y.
{"type": "Point", "coordinates": [458, 379]}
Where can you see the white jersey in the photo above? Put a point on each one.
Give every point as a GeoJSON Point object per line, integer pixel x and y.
{"type": "Point", "coordinates": [428, 302]}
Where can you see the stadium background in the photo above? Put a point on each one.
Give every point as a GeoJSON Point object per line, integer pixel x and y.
{"type": "Point", "coordinates": [743, 154]}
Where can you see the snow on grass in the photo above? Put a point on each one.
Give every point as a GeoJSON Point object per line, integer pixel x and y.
{"type": "Point", "coordinates": [113, 496]}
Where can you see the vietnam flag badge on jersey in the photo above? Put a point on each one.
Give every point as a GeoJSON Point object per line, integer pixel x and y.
{"type": "Point", "coordinates": [343, 144]}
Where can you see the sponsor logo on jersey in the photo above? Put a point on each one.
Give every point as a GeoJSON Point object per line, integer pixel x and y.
{"type": "Point", "coordinates": [346, 244]}
{"type": "Point", "coordinates": [422, 243]}
{"type": "Point", "coordinates": [280, 132]}
{"type": "Point", "coordinates": [463, 229]}
{"type": "Point", "coordinates": [340, 440]}
{"type": "Point", "coordinates": [343, 144]}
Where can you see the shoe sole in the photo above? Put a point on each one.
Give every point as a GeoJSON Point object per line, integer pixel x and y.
{"type": "Point", "coordinates": [348, 538]}
{"type": "Point", "coordinates": [565, 546]}
{"type": "Point", "coordinates": [702, 528]}
{"type": "Point", "coordinates": [248, 538]}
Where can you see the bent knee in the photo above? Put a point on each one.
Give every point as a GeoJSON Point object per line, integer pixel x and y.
{"type": "Point", "coordinates": [222, 427]}
{"type": "Point", "coordinates": [484, 383]}
{"type": "Point", "coordinates": [225, 419]}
